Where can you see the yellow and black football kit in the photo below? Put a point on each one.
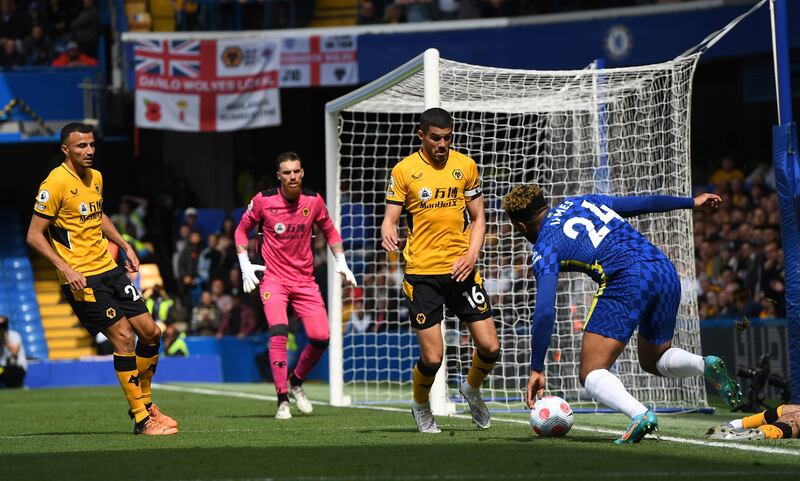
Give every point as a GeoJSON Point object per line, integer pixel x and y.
{"type": "Point", "coordinates": [435, 199]}
{"type": "Point", "coordinates": [74, 206]}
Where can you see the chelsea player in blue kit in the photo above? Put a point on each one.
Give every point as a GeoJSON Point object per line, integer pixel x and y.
{"type": "Point", "coordinates": [638, 287]}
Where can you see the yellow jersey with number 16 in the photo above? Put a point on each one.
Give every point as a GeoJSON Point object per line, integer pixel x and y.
{"type": "Point", "coordinates": [74, 206]}
{"type": "Point", "coordinates": [435, 198]}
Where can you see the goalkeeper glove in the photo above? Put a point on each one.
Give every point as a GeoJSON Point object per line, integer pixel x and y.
{"type": "Point", "coordinates": [249, 279]}
{"type": "Point", "coordinates": [341, 268]}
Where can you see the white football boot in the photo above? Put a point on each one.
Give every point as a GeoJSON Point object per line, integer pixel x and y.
{"type": "Point", "coordinates": [424, 418]}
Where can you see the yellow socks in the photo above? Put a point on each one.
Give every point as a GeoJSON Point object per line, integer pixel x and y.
{"type": "Point", "coordinates": [482, 365]}
{"type": "Point", "coordinates": [146, 363]}
{"type": "Point", "coordinates": [128, 376]}
{"type": "Point", "coordinates": [423, 380]}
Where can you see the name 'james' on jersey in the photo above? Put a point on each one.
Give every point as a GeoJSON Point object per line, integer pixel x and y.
{"type": "Point", "coordinates": [75, 207]}
{"type": "Point", "coordinates": [584, 234]}
{"type": "Point", "coordinates": [435, 198]}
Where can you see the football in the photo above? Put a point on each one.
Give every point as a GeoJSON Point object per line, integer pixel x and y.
{"type": "Point", "coordinates": [551, 416]}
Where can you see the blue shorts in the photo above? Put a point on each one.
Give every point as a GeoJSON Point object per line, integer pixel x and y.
{"type": "Point", "coordinates": [646, 294]}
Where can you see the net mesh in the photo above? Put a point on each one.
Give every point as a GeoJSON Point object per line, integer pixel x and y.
{"type": "Point", "coordinates": [616, 131]}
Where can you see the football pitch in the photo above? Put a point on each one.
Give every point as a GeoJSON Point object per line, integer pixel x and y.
{"type": "Point", "coordinates": [227, 433]}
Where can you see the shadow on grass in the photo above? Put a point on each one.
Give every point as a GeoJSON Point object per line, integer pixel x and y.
{"type": "Point", "coordinates": [406, 456]}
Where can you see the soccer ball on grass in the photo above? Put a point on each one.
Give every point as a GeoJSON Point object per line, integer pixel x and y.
{"type": "Point", "coordinates": [551, 416]}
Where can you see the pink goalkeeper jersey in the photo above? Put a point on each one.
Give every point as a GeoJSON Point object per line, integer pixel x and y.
{"type": "Point", "coordinates": [288, 226]}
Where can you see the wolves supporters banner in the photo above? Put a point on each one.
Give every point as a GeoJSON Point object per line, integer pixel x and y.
{"type": "Point", "coordinates": [319, 60]}
{"type": "Point", "coordinates": [207, 85]}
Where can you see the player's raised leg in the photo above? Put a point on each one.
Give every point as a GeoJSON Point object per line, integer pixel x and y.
{"type": "Point", "coordinates": [598, 354]}
{"type": "Point", "coordinates": [431, 352]}
{"type": "Point", "coordinates": [484, 359]}
{"type": "Point", "coordinates": [147, 345]}
{"type": "Point", "coordinates": [665, 360]}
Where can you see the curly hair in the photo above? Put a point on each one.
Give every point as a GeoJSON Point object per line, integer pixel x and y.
{"type": "Point", "coordinates": [523, 202]}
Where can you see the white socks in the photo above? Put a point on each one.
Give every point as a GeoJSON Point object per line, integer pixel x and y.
{"type": "Point", "coordinates": [608, 390]}
{"type": "Point", "coordinates": [676, 362]}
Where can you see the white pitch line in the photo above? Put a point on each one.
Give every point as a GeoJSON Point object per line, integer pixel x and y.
{"type": "Point", "coordinates": [697, 442]}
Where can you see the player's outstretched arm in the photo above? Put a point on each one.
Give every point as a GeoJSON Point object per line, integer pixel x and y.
{"type": "Point", "coordinates": [633, 206]}
{"type": "Point", "coordinates": [39, 243]}
{"type": "Point", "coordinates": [477, 232]}
{"type": "Point", "coordinates": [707, 201]}
{"type": "Point", "coordinates": [112, 234]}
{"type": "Point", "coordinates": [389, 239]}
{"type": "Point", "coordinates": [544, 318]}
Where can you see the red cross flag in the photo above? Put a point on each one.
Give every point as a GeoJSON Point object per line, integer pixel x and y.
{"type": "Point", "coordinates": [319, 60]}
{"type": "Point", "coordinates": [207, 85]}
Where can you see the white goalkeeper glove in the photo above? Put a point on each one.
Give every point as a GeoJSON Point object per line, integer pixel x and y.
{"type": "Point", "coordinates": [341, 268]}
{"type": "Point", "coordinates": [249, 279]}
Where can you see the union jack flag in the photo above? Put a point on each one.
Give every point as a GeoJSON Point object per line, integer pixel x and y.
{"type": "Point", "coordinates": [169, 58]}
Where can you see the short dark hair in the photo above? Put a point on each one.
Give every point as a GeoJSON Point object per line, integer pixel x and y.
{"type": "Point", "coordinates": [436, 117]}
{"type": "Point", "coordinates": [284, 156]}
{"type": "Point", "coordinates": [524, 202]}
{"type": "Point", "coordinates": [75, 127]}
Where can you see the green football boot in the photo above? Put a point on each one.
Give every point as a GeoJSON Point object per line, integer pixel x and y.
{"type": "Point", "coordinates": [727, 387]}
{"type": "Point", "coordinates": [640, 426]}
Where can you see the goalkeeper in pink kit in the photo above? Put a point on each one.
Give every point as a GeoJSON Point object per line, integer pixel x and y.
{"type": "Point", "coordinates": [287, 215]}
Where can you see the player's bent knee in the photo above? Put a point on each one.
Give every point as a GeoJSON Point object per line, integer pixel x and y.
{"type": "Point", "coordinates": [320, 344]}
{"type": "Point", "coordinates": [649, 368]}
{"type": "Point", "coordinates": [278, 330]}
{"type": "Point", "coordinates": [426, 368]}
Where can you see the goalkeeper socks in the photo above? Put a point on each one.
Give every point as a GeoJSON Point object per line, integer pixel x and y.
{"type": "Point", "coordinates": [676, 362]}
{"type": "Point", "coordinates": [423, 380]}
{"type": "Point", "coordinates": [277, 362]}
{"type": "Point", "coordinates": [482, 365]}
{"type": "Point", "coordinates": [128, 376]}
{"type": "Point", "coordinates": [608, 390]}
{"type": "Point", "coordinates": [310, 357]}
{"type": "Point", "coordinates": [146, 363]}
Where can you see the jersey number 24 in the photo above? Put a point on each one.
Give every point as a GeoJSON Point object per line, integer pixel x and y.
{"type": "Point", "coordinates": [596, 236]}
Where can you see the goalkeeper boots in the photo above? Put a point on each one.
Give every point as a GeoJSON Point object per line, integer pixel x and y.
{"type": "Point", "coordinates": [727, 387]}
{"type": "Point", "coordinates": [480, 414]}
{"type": "Point", "coordinates": [726, 432]}
{"type": "Point", "coordinates": [149, 427]}
{"type": "Point", "coordinates": [424, 418]}
{"type": "Point", "coordinates": [284, 411]}
{"type": "Point", "coordinates": [640, 426]}
{"type": "Point", "coordinates": [300, 399]}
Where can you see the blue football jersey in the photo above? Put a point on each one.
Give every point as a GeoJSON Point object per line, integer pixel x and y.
{"type": "Point", "coordinates": [588, 234]}
{"type": "Point", "coordinates": [585, 234]}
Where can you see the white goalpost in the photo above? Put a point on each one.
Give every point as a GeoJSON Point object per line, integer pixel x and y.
{"type": "Point", "coordinates": [622, 131]}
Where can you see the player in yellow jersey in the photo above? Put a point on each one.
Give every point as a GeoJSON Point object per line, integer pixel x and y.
{"type": "Point", "coordinates": [70, 230]}
{"type": "Point", "coordinates": [436, 185]}
{"type": "Point", "coordinates": [782, 422]}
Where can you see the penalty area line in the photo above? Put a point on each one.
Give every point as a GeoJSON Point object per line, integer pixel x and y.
{"type": "Point", "coordinates": [672, 439]}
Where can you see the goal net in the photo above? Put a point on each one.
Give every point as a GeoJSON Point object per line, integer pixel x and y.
{"type": "Point", "coordinates": [621, 131]}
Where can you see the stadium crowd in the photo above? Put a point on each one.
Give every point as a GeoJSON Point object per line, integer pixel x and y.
{"type": "Point", "coordinates": [739, 257]}
{"type": "Point", "coordinates": [401, 11]}
{"type": "Point", "coordinates": [59, 33]}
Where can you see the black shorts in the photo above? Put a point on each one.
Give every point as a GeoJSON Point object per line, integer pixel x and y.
{"type": "Point", "coordinates": [425, 295]}
{"type": "Point", "coordinates": [106, 299]}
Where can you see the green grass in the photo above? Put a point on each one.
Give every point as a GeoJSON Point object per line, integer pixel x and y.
{"type": "Point", "coordinates": [84, 434]}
